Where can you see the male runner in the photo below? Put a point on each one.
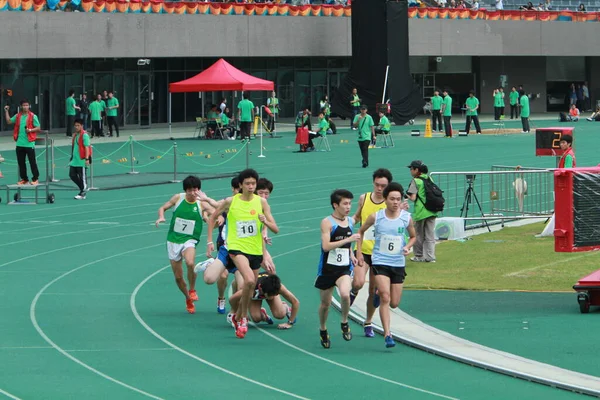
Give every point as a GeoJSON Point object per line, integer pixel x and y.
{"type": "Point", "coordinates": [246, 214]}
{"type": "Point", "coordinates": [336, 262]}
{"type": "Point", "coordinates": [368, 204]}
{"type": "Point", "coordinates": [389, 252]}
{"type": "Point", "coordinates": [184, 233]}
{"type": "Point", "coordinates": [269, 288]}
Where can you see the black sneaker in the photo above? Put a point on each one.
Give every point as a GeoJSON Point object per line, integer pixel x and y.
{"type": "Point", "coordinates": [346, 334]}
{"type": "Point", "coordinates": [325, 339]}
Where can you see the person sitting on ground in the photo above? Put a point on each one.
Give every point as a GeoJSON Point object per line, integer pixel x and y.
{"type": "Point", "coordinates": [573, 113]}
{"type": "Point", "coordinates": [594, 117]}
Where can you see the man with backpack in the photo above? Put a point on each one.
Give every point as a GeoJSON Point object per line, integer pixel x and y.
{"type": "Point", "coordinates": [428, 200]}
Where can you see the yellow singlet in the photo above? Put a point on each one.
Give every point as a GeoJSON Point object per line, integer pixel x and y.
{"type": "Point", "coordinates": [243, 226]}
{"type": "Point", "coordinates": [369, 208]}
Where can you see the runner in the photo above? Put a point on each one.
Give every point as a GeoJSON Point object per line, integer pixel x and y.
{"type": "Point", "coordinates": [389, 253]}
{"type": "Point", "coordinates": [368, 204]}
{"type": "Point", "coordinates": [184, 232]}
{"type": "Point", "coordinates": [269, 288]}
{"type": "Point", "coordinates": [336, 262]}
{"type": "Point", "coordinates": [246, 214]}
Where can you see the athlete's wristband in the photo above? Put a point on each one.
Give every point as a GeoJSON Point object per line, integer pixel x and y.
{"type": "Point", "coordinates": [290, 322]}
{"type": "Point", "coordinates": [209, 243]}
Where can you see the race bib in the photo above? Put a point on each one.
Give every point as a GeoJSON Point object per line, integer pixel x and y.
{"type": "Point", "coordinates": [391, 245]}
{"type": "Point", "coordinates": [246, 229]}
{"type": "Point", "coordinates": [185, 226]}
{"type": "Point", "coordinates": [339, 257]}
{"type": "Point", "coordinates": [370, 233]}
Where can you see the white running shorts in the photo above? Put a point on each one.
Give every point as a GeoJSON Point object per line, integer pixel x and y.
{"type": "Point", "coordinates": [176, 250]}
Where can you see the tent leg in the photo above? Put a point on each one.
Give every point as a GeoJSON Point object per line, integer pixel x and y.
{"type": "Point", "coordinates": [261, 133]}
{"type": "Point", "coordinates": [170, 102]}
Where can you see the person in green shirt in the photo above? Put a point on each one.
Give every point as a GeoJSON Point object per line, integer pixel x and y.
{"type": "Point", "coordinates": [436, 112]}
{"type": "Point", "coordinates": [567, 160]}
{"type": "Point", "coordinates": [447, 113]}
{"type": "Point", "coordinates": [27, 125]}
{"type": "Point", "coordinates": [80, 158]}
{"type": "Point", "coordinates": [112, 105]}
{"type": "Point", "coordinates": [424, 248]}
{"type": "Point", "coordinates": [355, 105]}
{"type": "Point", "coordinates": [524, 103]}
{"type": "Point", "coordinates": [96, 109]}
{"type": "Point", "coordinates": [245, 116]}
{"type": "Point", "coordinates": [384, 126]}
{"type": "Point", "coordinates": [71, 108]}
{"type": "Point", "coordinates": [273, 104]}
{"type": "Point", "coordinates": [514, 103]}
{"type": "Point", "coordinates": [366, 130]}
{"type": "Point", "coordinates": [472, 105]}
{"type": "Point", "coordinates": [498, 103]}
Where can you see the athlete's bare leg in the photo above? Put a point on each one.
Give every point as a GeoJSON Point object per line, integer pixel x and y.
{"type": "Point", "coordinates": [344, 283]}
{"type": "Point", "coordinates": [189, 255]}
{"type": "Point", "coordinates": [383, 283]}
{"type": "Point", "coordinates": [243, 266]}
{"type": "Point", "coordinates": [176, 266]}
{"type": "Point", "coordinates": [326, 296]}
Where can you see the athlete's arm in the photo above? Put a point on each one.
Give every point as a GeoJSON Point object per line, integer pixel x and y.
{"type": "Point", "coordinates": [205, 199]}
{"type": "Point", "coordinates": [361, 202]}
{"type": "Point", "coordinates": [289, 296]}
{"type": "Point", "coordinates": [268, 263]}
{"type": "Point", "coordinates": [326, 242]}
{"type": "Point", "coordinates": [269, 221]}
{"type": "Point", "coordinates": [364, 227]}
{"type": "Point", "coordinates": [165, 207]}
{"type": "Point", "coordinates": [223, 207]}
{"type": "Point", "coordinates": [413, 237]}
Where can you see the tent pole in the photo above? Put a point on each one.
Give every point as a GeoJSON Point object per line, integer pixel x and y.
{"type": "Point", "coordinates": [170, 102]}
{"type": "Point", "coordinates": [261, 133]}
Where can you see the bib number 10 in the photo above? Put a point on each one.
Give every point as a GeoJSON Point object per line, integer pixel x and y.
{"type": "Point", "coordinates": [246, 229]}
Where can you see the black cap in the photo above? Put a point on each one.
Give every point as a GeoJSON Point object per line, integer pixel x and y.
{"type": "Point", "coordinates": [363, 107]}
{"type": "Point", "coordinates": [416, 164]}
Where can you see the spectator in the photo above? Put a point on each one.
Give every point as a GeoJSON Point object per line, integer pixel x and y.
{"type": "Point", "coordinates": [573, 113]}
{"type": "Point", "coordinates": [71, 109]}
{"type": "Point", "coordinates": [245, 116]}
{"type": "Point", "coordinates": [587, 106]}
{"type": "Point", "coordinates": [581, 8]}
{"type": "Point", "coordinates": [424, 248]}
{"type": "Point", "coordinates": [528, 7]}
{"type": "Point", "coordinates": [84, 111]}
{"type": "Point", "coordinates": [472, 105]}
{"type": "Point", "coordinates": [524, 103]}
{"type": "Point", "coordinates": [27, 125]}
{"type": "Point", "coordinates": [499, 5]}
{"type": "Point", "coordinates": [595, 115]}
{"type": "Point", "coordinates": [112, 105]}
{"type": "Point", "coordinates": [514, 103]}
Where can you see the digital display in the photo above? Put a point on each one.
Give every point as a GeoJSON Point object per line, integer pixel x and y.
{"type": "Point", "coordinates": [547, 141]}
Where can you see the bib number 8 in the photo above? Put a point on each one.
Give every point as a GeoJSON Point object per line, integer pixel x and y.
{"type": "Point", "coordinates": [339, 257]}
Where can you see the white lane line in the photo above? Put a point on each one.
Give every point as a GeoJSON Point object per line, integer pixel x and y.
{"type": "Point", "coordinates": [558, 262]}
{"type": "Point", "coordinates": [32, 316]}
{"type": "Point", "coordinates": [187, 353]}
{"type": "Point", "coordinates": [10, 396]}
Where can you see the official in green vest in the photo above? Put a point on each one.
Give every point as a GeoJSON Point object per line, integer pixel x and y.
{"type": "Point", "coordinates": [273, 104]}
{"type": "Point", "coordinates": [355, 105]}
{"type": "Point", "coordinates": [366, 130]}
{"type": "Point", "coordinates": [436, 112]}
{"type": "Point", "coordinates": [184, 233]}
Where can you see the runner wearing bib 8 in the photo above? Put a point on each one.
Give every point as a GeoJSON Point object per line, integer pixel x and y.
{"type": "Point", "coordinates": [336, 262]}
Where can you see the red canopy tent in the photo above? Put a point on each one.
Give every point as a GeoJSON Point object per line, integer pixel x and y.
{"type": "Point", "coordinates": [219, 76]}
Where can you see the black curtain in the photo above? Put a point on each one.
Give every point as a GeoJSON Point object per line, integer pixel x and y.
{"type": "Point", "coordinates": [379, 39]}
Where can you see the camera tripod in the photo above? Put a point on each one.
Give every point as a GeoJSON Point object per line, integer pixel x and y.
{"type": "Point", "coordinates": [469, 196]}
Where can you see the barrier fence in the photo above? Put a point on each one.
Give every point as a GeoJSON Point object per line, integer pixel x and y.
{"type": "Point", "coordinates": [502, 194]}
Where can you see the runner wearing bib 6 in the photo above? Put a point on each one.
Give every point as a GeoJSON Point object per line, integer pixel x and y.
{"type": "Point", "coordinates": [336, 262]}
{"type": "Point", "coordinates": [389, 252]}
{"type": "Point", "coordinates": [184, 233]}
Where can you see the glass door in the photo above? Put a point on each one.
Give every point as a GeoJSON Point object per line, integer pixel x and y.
{"type": "Point", "coordinates": [88, 87]}
{"type": "Point", "coordinates": [145, 100]}
{"type": "Point", "coordinates": [44, 102]}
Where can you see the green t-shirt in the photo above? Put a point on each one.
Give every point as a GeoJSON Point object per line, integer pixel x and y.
{"type": "Point", "coordinates": [472, 102]}
{"type": "Point", "coordinates": [448, 104]}
{"type": "Point", "coordinates": [111, 103]}
{"type": "Point", "coordinates": [22, 137]}
{"type": "Point", "coordinates": [246, 107]}
{"type": "Point", "coordinates": [224, 119]}
{"type": "Point", "coordinates": [77, 161]}
{"type": "Point", "coordinates": [96, 108]}
{"type": "Point", "coordinates": [385, 124]}
{"type": "Point", "coordinates": [355, 102]}
{"type": "Point", "coordinates": [186, 223]}
{"type": "Point", "coordinates": [212, 115]}
{"type": "Point", "coordinates": [524, 106]}
{"type": "Point", "coordinates": [273, 103]}
{"type": "Point", "coordinates": [364, 127]}
{"type": "Point", "coordinates": [514, 98]}
{"type": "Point", "coordinates": [417, 186]}
{"type": "Point", "coordinates": [323, 126]}
{"type": "Point", "coordinates": [498, 100]}
{"type": "Point", "coordinates": [568, 161]}
{"type": "Point", "coordinates": [70, 106]}
{"type": "Point", "coordinates": [436, 103]}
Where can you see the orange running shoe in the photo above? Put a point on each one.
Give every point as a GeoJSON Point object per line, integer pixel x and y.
{"type": "Point", "coordinates": [34, 183]}
{"type": "Point", "coordinates": [189, 305]}
{"type": "Point", "coordinates": [23, 182]}
{"type": "Point", "coordinates": [193, 295]}
{"type": "Point", "coordinates": [242, 328]}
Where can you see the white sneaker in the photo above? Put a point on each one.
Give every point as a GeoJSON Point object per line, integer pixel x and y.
{"type": "Point", "coordinates": [2, 158]}
{"type": "Point", "coordinates": [201, 266]}
{"type": "Point", "coordinates": [79, 197]}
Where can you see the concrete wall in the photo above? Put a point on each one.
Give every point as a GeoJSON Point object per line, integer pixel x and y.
{"type": "Point", "coordinates": [81, 35]}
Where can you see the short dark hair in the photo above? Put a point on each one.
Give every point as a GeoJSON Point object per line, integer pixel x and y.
{"type": "Point", "coordinates": [23, 101]}
{"type": "Point", "coordinates": [393, 187]}
{"type": "Point", "coordinates": [78, 121]}
{"type": "Point", "coordinates": [264, 183]}
{"type": "Point", "coordinates": [567, 138]}
{"type": "Point", "coordinates": [270, 285]}
{"type": "Point", "coordinates": [338, 195]}
{"type": "Point", "coordinates": [235, 182]}
{"type": "Point", "coordinates": [247, 173]}
{"type": "Point", "coordinates": [383, 173]}
{"type": "Point", "coordinates": [191, 182]}
{"type": "Point", "coordinates": [71, 92]}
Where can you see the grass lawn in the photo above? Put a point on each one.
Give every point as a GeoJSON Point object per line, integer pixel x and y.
{"type": "Point", "coordinates": [509, 259]}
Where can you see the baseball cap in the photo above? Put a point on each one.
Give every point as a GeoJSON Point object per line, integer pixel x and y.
{"type": "Point", "coordinates": [363, 107]}
{"type": "Point", "coordinates": [416, 164]}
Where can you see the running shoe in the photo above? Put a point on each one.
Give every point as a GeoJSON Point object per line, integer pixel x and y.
{"type": "Point", "coordinates": [189, 305]}
{"type": "Point", "coordinates": [35, 183]}
{"type": "Point", "coordinates": [201, 266]}
{"type": "Point", "coordinates": [79, 197]}
{"type": "Point", "coordinates": [389, 341]}
{"type": "Point", "coordinates": [325, 342]}
{"type": "Point", "coordinates": [369, 330]}
{"type": "Point", "coordinates": [23, 182]}
{"type": "Point", "coordinates": [265, 317]}
{"type": "Point", "coordinates": [242, 328]}
{"type": "Point", "coordinates": [230, 317]}
{"type": "Point", "coordinates": [221, 306]}
{"type": "Point", "coordinates": [193, 295]}
{"type": "Point", "coordinates": [417, 259]}
{"type": "Point", "coordinates": [346, 334]}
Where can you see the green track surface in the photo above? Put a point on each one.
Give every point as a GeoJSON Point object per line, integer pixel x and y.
{"type": "Point", "coordinates": [67, 282]}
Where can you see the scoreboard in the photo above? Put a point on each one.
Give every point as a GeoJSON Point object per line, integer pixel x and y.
{"type": "Point", "coordinates": [547, 140]}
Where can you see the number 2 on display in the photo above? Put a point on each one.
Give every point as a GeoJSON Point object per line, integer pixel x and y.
{"type": "Point", "coordinates": [556, 141]}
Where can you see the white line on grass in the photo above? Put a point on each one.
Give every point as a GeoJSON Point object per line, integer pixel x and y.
{"type": "Point", "coordinates": [41, 332]}
{"type": "Point", "coordinates": [558, 262]}
{"type": "Point", "coordinates": [10, 396]}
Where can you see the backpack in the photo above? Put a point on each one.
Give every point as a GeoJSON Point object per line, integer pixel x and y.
{"type": "Point", "coordinates": [434, 199]}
